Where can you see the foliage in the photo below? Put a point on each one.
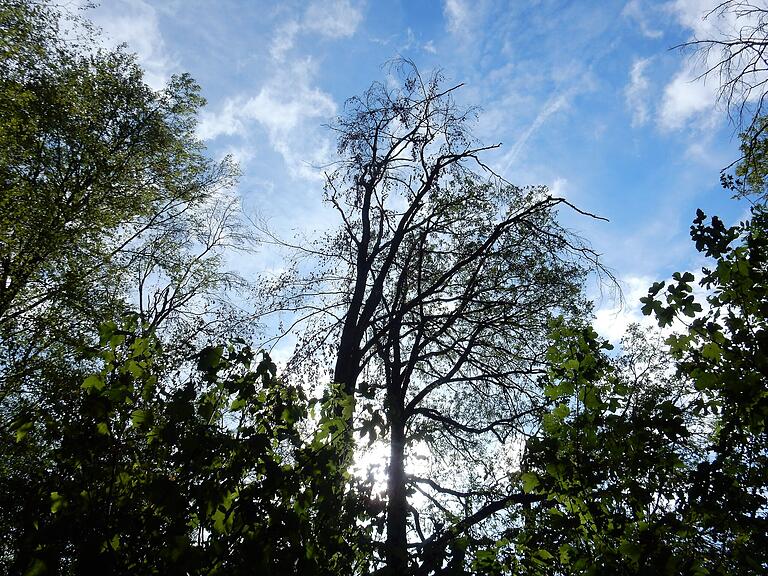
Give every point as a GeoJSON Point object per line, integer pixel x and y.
{"type": "Point", "coordinates": [611, 465]}
{"type": "Point", "coordinates": [220, 472]}
{"type": "Point", "coordinates": [109, 460]}
{"type": "Point", "coordinates": [107, 197]}
{"type": "Point", "coordinates": [666, 475]}
{"type": "Point", "coordinates": [724, 353]}
{"type": "Point", "coordinates": [450, 304]}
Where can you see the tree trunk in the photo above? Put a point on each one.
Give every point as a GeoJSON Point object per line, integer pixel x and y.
{"type": "Point", "coordinates": [347, 362]}
{"type": "Point", "coordinates": [397, 505]}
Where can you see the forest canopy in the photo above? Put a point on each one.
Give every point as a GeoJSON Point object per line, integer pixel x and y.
{"type": "Point", "coordinates": [443, 324]}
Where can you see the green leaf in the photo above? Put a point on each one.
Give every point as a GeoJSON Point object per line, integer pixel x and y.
{"type": "Point", "coordinates": [571, 364]}
{"type": "Point", "coordinates": [134, 368]}
{"type": "Point", "coordinates": [23, 430]}
{"type": "Point", "coordinates": [209, 358]}
{"type": "Point", "coordinates": [37, 568]}
{"type": "Point", "coordinates": [631, 550]}
{"type": "Point", "coordinates": [530, 482]}
{"type": "Point", "coordinates": [57, 502]}
{"type": "Point", "coordinates": [140, 417]}
{"type": "Point", "coordinates": [561, 412]}
{"type": "Point", "coordinates": [112, 544]}
{"type": "Point", "coordinates": [93, 382]}
{"type": "Point", "coordinates": [711, 351]}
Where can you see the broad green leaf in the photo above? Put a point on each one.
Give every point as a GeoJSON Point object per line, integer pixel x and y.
{"type": "Point", "coordinates": [140, 418]}
{"type": "Point", "coordinates": [57, 502]}
{"type": "Point", "coordinates": [93, 382]}
{"type": "Point", "coordinates": [530, 482]}
{"type": "Point", "coordinates": [23, 430]}
{"type": "Point", "coordinates": [711, 351]}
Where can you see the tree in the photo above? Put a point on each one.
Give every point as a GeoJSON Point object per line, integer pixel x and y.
{"type": "Point", "coordinates": [668, 474]}
{"type": "Point", "coordinates": [433, 305]}
{"type": "Point", "coordinates": [107, 200]}
{"type": "Point", "coordinates": [611, 464]}
{"type": "Point", "coordinates": [219, 471]}
{"type": "Point", "coordinates": [723, 354]}
{"type": "Point", "coordinates": [104, 188]}
{"type": "Point", "coordinates": [108, 203]}
{"type": "Point", "coordinates": [736, 55]}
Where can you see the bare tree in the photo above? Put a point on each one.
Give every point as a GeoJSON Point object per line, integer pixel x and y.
{"type": "Point", "coordinates": [737, 57]}
{"type": "Point", "coordinates": [432, 300]}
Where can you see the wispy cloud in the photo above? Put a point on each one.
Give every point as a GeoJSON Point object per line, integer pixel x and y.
{"type": "Point", "coordinates": [636, 93]}
{"type": "Point", "coordinates": [691, 14]}
{"type": "Point", "coordinates": [458, 16]}
{"type": "Point", "coordinates": [329, 19]}
{"type": "Point", "coordinates": [287, 106]}
{"type": "Point", "coordinates": [556, 102]}
{"type": "Point", "coordinates": [687, 98]}
{"type": "Point", "coordinates": [335, 19]}
{"type": "Point", "coordinates": [136, 23]}
{"type": "Point", "coordinates": [288, 109]}
{"type": "Point", "coordinates": [636, 10]}
{"type": "Point", "coordinates": [560, 188]}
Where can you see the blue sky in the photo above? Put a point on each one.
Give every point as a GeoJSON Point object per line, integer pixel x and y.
{"type": "Point", "coordinates": [586, 97]}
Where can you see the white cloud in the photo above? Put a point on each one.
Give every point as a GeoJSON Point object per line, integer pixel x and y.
{"type": "Point", "coordinates": [559, 187]}
{"type": "Point", "coordinates": [284, 38]}
{"type": "Point", "coordinates": [330, 19]}
{"type": "Point", "coordinates": [691, 14]}
{"type": "Point", "coordinates": [288, 109]}
{"type": "Point", "coordinates": [688, 98]}
{"type": "Point", "coordinates": [430, 47]}
{"type": "Point", "coordinates": [611, 322]}
{"type": "Point", "coordinates": [635, 10]}
{"type": "Point", "coordinates": [136, 23]}
{"type": "Point", "coordinates": [636, 92]}
{"type": "Point", "coordinates": [336, 19]}
{"type": "Point", "coordinates": [226, 122]}
{"type": "Point", "coordinates": [457, 15]}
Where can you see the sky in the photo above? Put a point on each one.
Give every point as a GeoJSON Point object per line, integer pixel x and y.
{"type": "Point", "coordinates": [589, 98]}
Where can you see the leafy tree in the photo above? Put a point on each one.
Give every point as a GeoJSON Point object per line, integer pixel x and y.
{"type": "Point", "coordinates": [107, 197]}
{"type": "Point", "coordinates": [108, 203]}
{"type": "Point", "coordinates": [748, 180]}
{"type": "Point", "coordinates": [221, 471]}
{"type": "Point", "coordinates": [736, 56]}
{"type": "Point", "coordinates": [611, 465]}
{"type": "Point", "coordinates": [723, 353]}
{"type": "Point", "coordinates": [432, 303]}
{"type": "Point", "coordinates": [668, 475]}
